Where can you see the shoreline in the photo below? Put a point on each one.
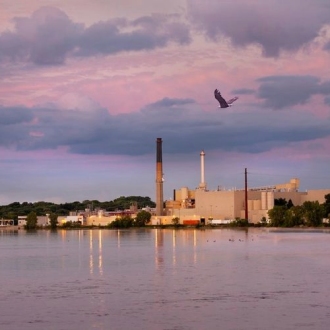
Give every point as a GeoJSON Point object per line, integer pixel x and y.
{"type": "Point", "coordinates": [271, 229]}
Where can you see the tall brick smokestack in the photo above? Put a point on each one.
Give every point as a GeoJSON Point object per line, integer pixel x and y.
{"type": "Point", "coordinates": [159, 178]}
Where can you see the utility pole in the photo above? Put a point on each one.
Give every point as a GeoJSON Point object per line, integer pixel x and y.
{"type": "Point", "coordinates": [246, 197]}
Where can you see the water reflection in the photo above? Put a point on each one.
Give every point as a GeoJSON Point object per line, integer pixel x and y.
{"type": "Point", "coordinates": [159, 242]}
{"type": "Point", "coordinates": [8, 231]}
{"type": "Point", "coordinates": [164, 279]}
{"type": "Point", "coordinates": [63, 235]}
{"type": "Point", "coordinates": [91, 260]}
{"type": "Point", "coordinates": [99, 257]}
{"type": "Point", "coordinates": [173, 245]}
{"type": "Point", "coordinates": [195, 245]}
{"type": "Point", "coordinates": [186, 240]}
{"type": "Point", "coordinates": [100, 253]}
{"type": "Point", "coordinates": [118, 239]}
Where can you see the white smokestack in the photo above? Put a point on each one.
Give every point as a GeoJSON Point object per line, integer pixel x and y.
{"type": "Point", "coordinates": [202, 185]}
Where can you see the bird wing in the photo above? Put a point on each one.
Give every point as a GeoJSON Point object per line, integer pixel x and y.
{"type": "Point", "coordinates": [232, 100]}
{"type": "Point", "coordinates": [221, 100]}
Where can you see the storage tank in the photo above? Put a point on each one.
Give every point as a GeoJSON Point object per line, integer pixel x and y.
{"type": "Point", "coordinates": [184, 193]}
{"type": "Point", "coordinates": [264, 200]}
{"type": "Point", "coordinates": [270, 200]}
{"type": "Point", "coordinates": [257, 204]}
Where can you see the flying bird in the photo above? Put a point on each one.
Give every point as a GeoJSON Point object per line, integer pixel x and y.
{"type": "Point", "coordinates": [222, 101]}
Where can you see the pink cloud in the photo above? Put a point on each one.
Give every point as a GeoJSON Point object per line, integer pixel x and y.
{"type": "Point", "coordinates": [36, 134]}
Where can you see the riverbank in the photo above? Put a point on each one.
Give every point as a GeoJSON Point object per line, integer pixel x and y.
{"type": "Point", "coordinates": [179, 227]}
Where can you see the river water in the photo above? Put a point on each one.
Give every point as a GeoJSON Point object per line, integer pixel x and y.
{"type": "Point", "coordinates": [161, 279]}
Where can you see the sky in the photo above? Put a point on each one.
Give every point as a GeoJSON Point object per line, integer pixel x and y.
{"type": "Point", "coordinates": [86, 88]}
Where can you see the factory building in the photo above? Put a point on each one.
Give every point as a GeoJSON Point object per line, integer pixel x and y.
{"type": "Point", "coordinates": [230, 204]}
{"type": "Point", "coordinates": [193, 206]}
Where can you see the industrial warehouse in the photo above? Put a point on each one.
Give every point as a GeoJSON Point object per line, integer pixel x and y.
{"type": "Point", "coordinates": [203, 206]}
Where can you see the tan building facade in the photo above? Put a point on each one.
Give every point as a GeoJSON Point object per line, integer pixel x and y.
{"type": "Point", "coordinates": [230, 204]}
{"type": "Point", "coordinates": [100, 220]}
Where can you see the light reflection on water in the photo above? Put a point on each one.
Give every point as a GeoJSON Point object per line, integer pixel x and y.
{"type": "Point", "coordinates": [165, 279]}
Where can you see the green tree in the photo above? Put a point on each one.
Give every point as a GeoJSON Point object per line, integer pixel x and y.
{"type": "Point", "coordinates": [326, 206]}
{"type": "Point", "coordinates": [290, 204]}
{"type": "Point", "coordinates": [313, 213]}
{"type": "Point", "coordinates": [31, 221]}
{"type": "Point", "coordinates": [176, 221]}
{"type": "Point", "coordinates": [280, 202]}
{"type": "Point", "coordinates": [123, 222]}
{"type": "Point", "coordinates": [277, 215]}
{"type": "Point", "coordinates": [294, 216]}
{"type": "Point", "coordinates": [142, 218]}
{"type": "Point", "coordinates": [53, 220]}
{"type": "Point", "coordinates": [263, 221]}
{"type": "Point", "coordinates": [67, 224]}
{"type": "Point", "coordinates": [42, 208]}
{"type": "Point", "coordinates": [11, 215]}
{"type": "Point", "coordinates": [238, 222]}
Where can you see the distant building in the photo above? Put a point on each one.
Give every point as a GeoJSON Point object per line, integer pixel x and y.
{"type": "Point", "coordinates": [226, 205]}
{"type": "Point", "coordinates": [6, 222]}
{"type": "Point", "coordinates": [103, 218]}
{"type": "Point", "coordinates": [21, 221]}
{"type": "Point", "coordinates": [70, 218]}
{"type": "Point", "coordinates": [202, 205]}
{"type": "Point", "coordinates": [42, 220]}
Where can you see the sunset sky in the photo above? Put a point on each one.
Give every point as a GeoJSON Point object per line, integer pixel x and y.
{"type": "Point", "coordinates": [87, 87]}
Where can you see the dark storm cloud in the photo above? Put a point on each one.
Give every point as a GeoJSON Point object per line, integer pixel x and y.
{"type": "Point", "coordinates": [184, 129]}
{"type": "Point", "coordinates": [274, 25]}
{"type": "Point", "coordinates": [14, 116]}
{"type": "Point", "coordinates": [49, 36]}
{"type": "Point", "coordinates": [149, 33]}
{"type": "Point", "coordinates": [283, 91]}
{"type": "Point", "coordinates": [14, 122]}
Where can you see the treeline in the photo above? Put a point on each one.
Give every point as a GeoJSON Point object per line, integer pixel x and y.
{"type": "Point", "coordinates": [285, 214]}
{"type": "Point", "coordinates": [13, 210]}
